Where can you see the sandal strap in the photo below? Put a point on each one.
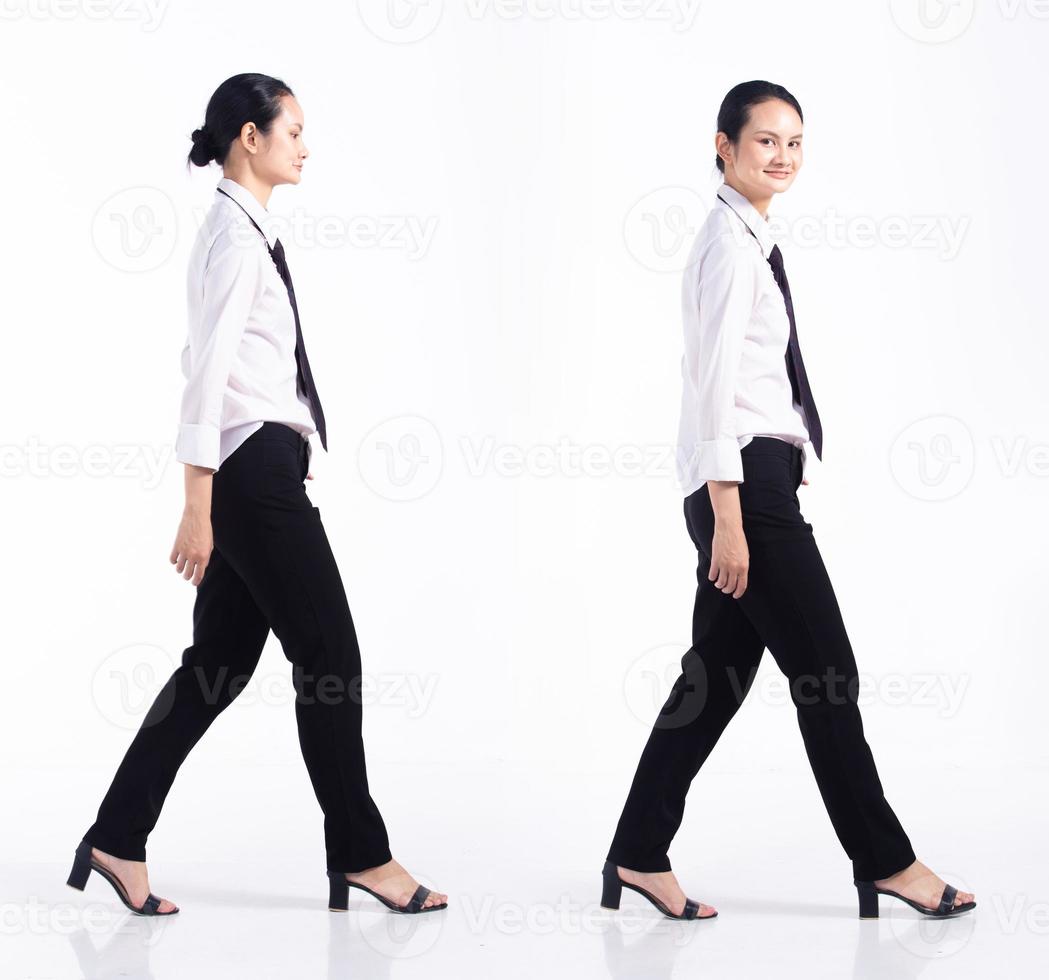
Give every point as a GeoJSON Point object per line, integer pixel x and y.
{"type": "Point", "coordinates": [151, 904]}
{"type": "Point", "coordinates": [417, 899]}
{"type": "Point", "coordinates": [691, 909]}
{"type": "Point", "coordinates": [950, 893]}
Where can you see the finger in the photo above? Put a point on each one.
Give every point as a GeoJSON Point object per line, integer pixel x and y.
{"type": "Point", "coordinates": [741, 586]}
{"type": "Point", "coordinates": [713, 573]}
{"type": "Point", "coordinates": [199, 573]}
{"type": "Point", "coordinates": [180, 564]}
{"type": "Point", "coordinates": [191, 567]}
{"type": "Point", "coordinates": [730, 584]}
{"type": "Point", "coordinates": [309, 476]}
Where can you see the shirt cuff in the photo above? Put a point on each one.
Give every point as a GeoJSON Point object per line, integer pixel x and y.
{"type": "Point", "coordinates": [717, 459]}
{"type": "Point", "coordinates": [198, 445]}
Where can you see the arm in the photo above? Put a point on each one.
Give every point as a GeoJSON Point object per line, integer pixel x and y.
{"type": "Point", "coordinates": [231, 280]}
{"type": "Point", "coordinates": [725, 292]}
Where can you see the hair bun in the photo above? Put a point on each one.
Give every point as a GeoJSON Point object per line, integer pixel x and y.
{"type": "Point", "coordinates": [201, 137]}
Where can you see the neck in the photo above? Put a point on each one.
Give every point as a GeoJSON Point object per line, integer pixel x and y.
{"type": "Point", "coordinates": [760, 201]}
{"type": "Point", "coordinates": [243, 176]}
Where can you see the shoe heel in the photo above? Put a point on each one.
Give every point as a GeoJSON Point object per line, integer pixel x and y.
{"type": "Point", "coordinates": [611, 888]}
{"type": "Point", "coordinates": [338, 892]}
{"type": "Point", "coordinates": [868, 896]}
{"type": "Point", "coordinates": [81, 867]}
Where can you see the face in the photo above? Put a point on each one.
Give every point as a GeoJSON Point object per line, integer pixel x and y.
{"type": "Point", "coordinates": [767, 156]}
{"type": "Point", "coordinates": [277, 157]}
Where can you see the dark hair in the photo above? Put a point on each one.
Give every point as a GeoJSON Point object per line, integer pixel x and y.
{"type": "Point", "coordinates": [243, 98]}
{"type": "Point", "coordinates": [735, 109]}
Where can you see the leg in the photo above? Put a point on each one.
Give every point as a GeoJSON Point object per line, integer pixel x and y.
{"type": "Point", "coordinates": [273, 536]}
{"type": "Point", "coordinates": [229, 633]}
{"type": "Point", "coordinates": [792, 606]}
{"type": "Point", "coordinates": [717, 673]}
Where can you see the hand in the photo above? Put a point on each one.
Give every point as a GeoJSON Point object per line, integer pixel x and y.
{"type": "Point", "coordinates": [729, 559]}
{"type": "Point", "coordinates": [193, 543]}
{"type": "Point", "coordinates": [309, 476]}
{"type": "Point", "coordinates": [804, 483]}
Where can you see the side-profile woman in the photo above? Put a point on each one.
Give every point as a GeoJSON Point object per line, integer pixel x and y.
{"type": "Point", "coordinates": [748, 431]}
{"type": "Point", "coordinates": [250, 540]}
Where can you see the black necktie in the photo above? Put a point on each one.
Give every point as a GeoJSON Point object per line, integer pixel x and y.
{"type": "Point", "coordinates": [799, 381]}
{"type": "Point", "coordinates": [305, 375]}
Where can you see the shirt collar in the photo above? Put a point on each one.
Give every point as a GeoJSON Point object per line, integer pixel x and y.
{"type": "Point", "coordinates": [250, 203]}
{"type": "Point", "coordinates": [750, 215]}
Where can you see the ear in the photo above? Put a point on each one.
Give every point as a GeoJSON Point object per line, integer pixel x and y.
{"type": "Point", "coordinates": [723, 147]}
{"type": "Point", "coordinates": [249, 137]}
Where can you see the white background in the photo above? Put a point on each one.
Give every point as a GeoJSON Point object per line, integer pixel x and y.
{"type": "Point", "coordinates": [522, 623]}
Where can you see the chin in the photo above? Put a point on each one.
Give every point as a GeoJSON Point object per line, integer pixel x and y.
{"type": "Point", "coordinates": [778, 186]}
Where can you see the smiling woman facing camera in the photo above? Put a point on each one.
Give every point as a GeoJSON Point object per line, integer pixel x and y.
{"type": "Point", "coordinates": [748, 431]}
{"type": "Point", "coordinates": [250, 540]}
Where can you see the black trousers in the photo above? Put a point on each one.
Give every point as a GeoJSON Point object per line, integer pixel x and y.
{"type": "Point", "coordinates": [789, 606]}
{"type": "Point", "coordinates": [271, 568]}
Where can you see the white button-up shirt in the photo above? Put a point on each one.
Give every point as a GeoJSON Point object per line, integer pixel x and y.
{"type": "Point", "coordinates": [734, 369]}
{"type": "Point", "coordinates": [239, 358]}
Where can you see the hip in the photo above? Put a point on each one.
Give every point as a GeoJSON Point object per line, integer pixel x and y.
{"type": "Point", "coordinates": [263, 479]}
{"type": "Point", "coordinates": [772, 473]}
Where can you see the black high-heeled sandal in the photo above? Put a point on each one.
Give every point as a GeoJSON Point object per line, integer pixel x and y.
{"type": "Point", "coordinates": [612, 892]}
{"type": "Point", "coordinates": [868, 894]}
{"type": "Point", "coordinates": [339, 896]}
{"type": "Point", "coordinates": [84, 864]}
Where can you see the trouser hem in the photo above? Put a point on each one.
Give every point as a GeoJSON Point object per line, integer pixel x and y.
{"type": "Point", "coordinates": [116, 846]}
{"type": "Point", "coordinates": [354, 864]}
{"type": "Point", "coordinates": [636, 862]}
{"type": "Point", "coordinates": [885, 868]}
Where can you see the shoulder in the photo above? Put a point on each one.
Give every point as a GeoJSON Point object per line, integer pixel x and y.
{"type": "Point", "coordinates": [720, 250]}
{"type": "Point", "coordinates": [228, 239]}
{"type": "Point", "coordinates": [225, 224]}
{"type": "Point", "coordinates": [723, 236]}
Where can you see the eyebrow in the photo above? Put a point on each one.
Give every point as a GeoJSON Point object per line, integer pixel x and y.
{"type": "Point", "coordinates": [771, 133]}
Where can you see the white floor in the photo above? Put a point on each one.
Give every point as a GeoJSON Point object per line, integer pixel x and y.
{"type": "Point", "coordinates": [519, 852]}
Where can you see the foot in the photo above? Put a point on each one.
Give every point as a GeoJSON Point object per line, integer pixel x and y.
{"type": "Point", "coordinates": [394, 883]}
{"type": "Point", "coordinates": [920, 884]}
{"type": "Point", "coordinates": [132, 875]}
{"type": "Point", "coordinates": [664, 886]}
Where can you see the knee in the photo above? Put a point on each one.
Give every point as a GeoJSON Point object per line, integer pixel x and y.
{"type": "Point", "coordinates": [828, 690]}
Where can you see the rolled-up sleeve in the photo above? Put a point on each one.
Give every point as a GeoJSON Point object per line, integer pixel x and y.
{"type": "Point", "coordinates": [723, 294]}
{"type": "Point", "coordinates": [232, 275]}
